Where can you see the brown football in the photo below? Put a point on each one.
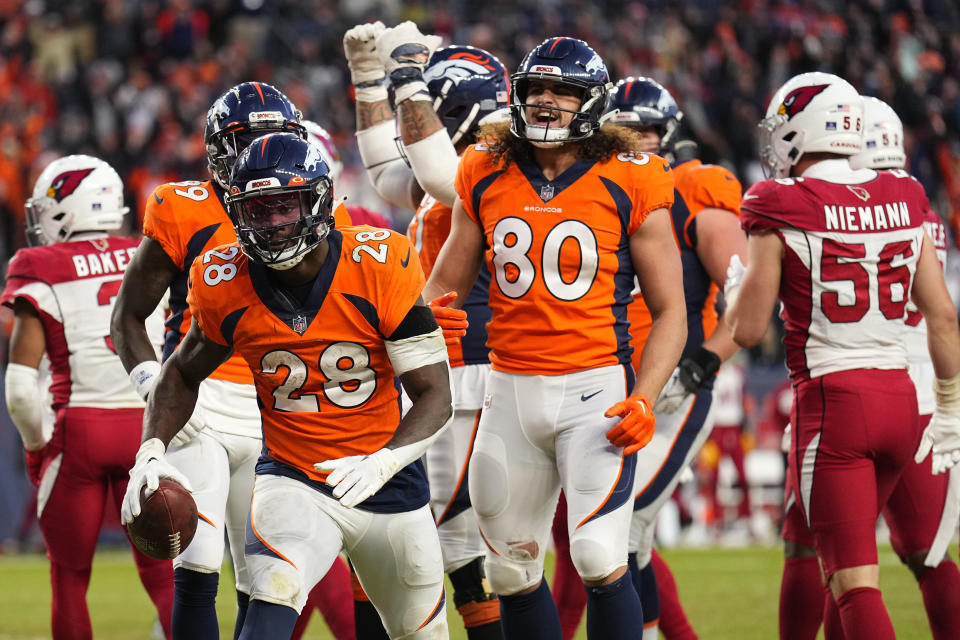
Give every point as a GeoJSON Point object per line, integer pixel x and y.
{"type": "Point", "coordinates": [167, 521]}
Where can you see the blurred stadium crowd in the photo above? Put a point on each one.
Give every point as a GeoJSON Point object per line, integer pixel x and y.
{"type": "Point", "coordinates": [130, 81]}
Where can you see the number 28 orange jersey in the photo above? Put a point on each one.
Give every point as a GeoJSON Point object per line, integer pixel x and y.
{"type": "Point", "coordinates": [324, 382]}
{"type": "Point", "coordinates": [559, 257]}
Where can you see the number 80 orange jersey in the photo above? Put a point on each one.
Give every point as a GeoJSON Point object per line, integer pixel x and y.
{"type": "Point", "coordinates": [559, 256]}
{"type": "Point", "coordinates": [325, 385]}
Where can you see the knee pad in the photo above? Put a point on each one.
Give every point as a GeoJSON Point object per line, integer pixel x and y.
{"type": "Point", "coordinates": [509, 577]}
{"type": "Point", "coordinates": [276, 581]}
{"type": "Point", "coordinates": [593, 560]}
{"type": "Point", "coordinates": [489, 492]}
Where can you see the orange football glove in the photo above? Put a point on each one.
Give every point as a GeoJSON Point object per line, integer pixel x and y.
{"type": "Point", "coordinates": [453, 322]}
{"type": "Point", "coordinates": [636, 429]}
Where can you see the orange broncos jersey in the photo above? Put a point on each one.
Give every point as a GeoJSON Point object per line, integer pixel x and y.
{"type": "Point", "coordinates": [188, 218]}
{"type": "Point", "coordinates": [558, 252]}
{"type": "Point", "coordinates": [699, 187]}
{"type": "Point", "coordinates": [326, 387]}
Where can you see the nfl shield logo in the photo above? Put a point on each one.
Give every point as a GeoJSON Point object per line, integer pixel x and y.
{"type": "Point", "coordinates": [300, 324]}
{"type": "Point", "coordinates": [546, 192]}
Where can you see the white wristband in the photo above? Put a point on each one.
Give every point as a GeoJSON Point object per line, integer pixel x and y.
{"type": "Point", "coordinates": [152, 448]}
{"type": "Point", "coordinates": [416, 90]}
{"type": "Point", "coordinates": [144, 376]}
{"type": "Point", "coordinates": [373, 93]}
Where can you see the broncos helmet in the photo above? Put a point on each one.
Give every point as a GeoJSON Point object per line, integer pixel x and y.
{"type": "Point", "coordinates": [243, 113]}
{"type": "Point", "coordinates": [74, 194]}
{"type": "Point", "coordinates": [644, 102]}
{"type": "Point", "coordinates": [467, 84]}
{"type": "Point", "coordinates": [280, 199]}
{"type": "Point", "coordinates": [567, 61]}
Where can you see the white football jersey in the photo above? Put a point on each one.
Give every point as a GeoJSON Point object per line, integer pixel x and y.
{"type": "Point", "coordinates": [918, 353]}
{"type": "Point", "coordinates": [73, 286]}
{"type": "Point", "coordinates": [851, 244]}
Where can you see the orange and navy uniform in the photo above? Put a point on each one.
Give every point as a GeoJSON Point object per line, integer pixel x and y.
{"type": "Point", "coordinates": [559, 255]}
{"type": "Point", "coordinates": [325, 385]}
{"type": "Point", "coordinates": [187, 219]}
{"type": "Point", "coordinates": [428, 231]}
{"type": "Point", "coordinates": [698, 187]}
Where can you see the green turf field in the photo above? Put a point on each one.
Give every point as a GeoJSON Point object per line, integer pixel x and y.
{"type": "Point", "coordinates": [728, 593]}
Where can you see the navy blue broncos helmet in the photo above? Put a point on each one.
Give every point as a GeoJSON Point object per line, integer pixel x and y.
{"type": "Point", "coordinates": [280, 199]}
{"type": "Point", "coordinates": [243, 113]}
{"type": "Point", "coordinates": [467, 84]}
{"type": "Point", "coordinates": [571, 62]}
{"type": "Point", "coordinates": [643, 102]}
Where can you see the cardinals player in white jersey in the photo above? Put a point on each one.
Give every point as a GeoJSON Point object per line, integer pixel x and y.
{"type": "Point", "coordinates": [845, 251]}
{"type": "Point", "coordinates": [61, 294]}
{"type": "Point", "coordinates": [440, 105]}
{"type": "Point", "coordinates": [917, 508]}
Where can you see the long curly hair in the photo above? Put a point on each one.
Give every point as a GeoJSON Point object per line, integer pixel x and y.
{"type": "Point", "coordinates": [504, 147]}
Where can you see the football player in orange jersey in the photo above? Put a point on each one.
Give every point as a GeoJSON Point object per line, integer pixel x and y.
{"type": "Point", "coordinates": [568, 213]}
{"type": "Point", "coordinates": [440, 106]}
{"type": "Point", "coordinates": [327, 320]}
{"type": "Point", "coordinates": [218, 447]}
{"type": "Point", "coordinates": [707, 228]}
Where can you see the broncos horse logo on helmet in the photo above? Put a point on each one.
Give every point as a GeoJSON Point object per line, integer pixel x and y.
{"type": "Point", "coordinates": [280, 199]}
{"type": "Point", "coordinates": [467, 84]}
{"type": "Point", "coordinates": [243, 113]}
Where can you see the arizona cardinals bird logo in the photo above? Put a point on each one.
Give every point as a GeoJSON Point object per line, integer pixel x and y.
{"type": "Point", "coordinates": [66, 183]}
{"type": "Point", "coordinates": [798, 99]}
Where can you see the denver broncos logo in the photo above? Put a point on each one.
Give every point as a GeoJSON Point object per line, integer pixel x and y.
{"type": "Point", "coordinates": [798, 99]}
{"type": "Point", "coordinates": [66, 183]}
{"type": "Point", "coordinates": [476, 58]}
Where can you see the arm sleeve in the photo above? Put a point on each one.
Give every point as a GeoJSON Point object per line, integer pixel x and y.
{"type": "Point", "coordinates": [390, 176]}
{"type": "Point", "coordinates": [434, 162]}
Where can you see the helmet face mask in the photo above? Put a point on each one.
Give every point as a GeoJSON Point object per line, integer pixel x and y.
{"type": "Point", "coordinates": [74, 194]}
{"type": "Point", "coordinates": [569, 62]}
{"type": "Point", "coordinates": [245, 112]}
{"type": "Point", "coordinates": [280, 200]}
{"type": "Point", "coordinates": [811, 113]}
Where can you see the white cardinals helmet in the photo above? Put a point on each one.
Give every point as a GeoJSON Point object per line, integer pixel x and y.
{"type": "Point", "coordinates": [882, 138]}
{"type": "Point", "coordinates": [328, 150]}
{"type": "Point", "coordinates": [74, 194]}
{"type": "Point", "coordinates": [811, 112]}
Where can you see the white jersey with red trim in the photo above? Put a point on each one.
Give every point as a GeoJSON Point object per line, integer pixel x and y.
{"type": "Point", "coordinates": [918, 353]}
{"type": "Point", "coordinates": [851, 240]}
{"type": "Point", "coordinates": [73, 285]}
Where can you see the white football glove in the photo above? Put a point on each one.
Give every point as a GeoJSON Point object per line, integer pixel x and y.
{"type": "Point", "coordinates": [194, 426]}
{"type": "Point", "coordinates": [356, 478]}
{"type": "Point", "coordinates": [404, 53]}
{"type": "Point", "coordinates": [942, 435]}
{"type": "Point", "coordinates": [735, 273]}
{"type": "Point", "coordinates": [366, 70]}
{"type": "Point", "coordinates": [147, 470]}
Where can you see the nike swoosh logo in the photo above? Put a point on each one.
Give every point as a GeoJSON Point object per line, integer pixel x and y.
{"type": "Point", "coordinates": [749, 197]}
{"type": "Point", "coordinates": [158, 199]}
{"type": "Point", "coordinates": [405, 261]}
{"type": "Point", "coordinates": [584, 398]}
{"type": "Point", "coordinates": [666, 167]}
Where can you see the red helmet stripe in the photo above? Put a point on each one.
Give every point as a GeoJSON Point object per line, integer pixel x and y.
{"type": "Point", "coordinates": [260, 91]}
{"type": "Point", "coordinates": [263, 145]}
{"type": "Point", "coordinates": [555, 42]}
{"type": "Point", "coordinates": [626, 89]}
